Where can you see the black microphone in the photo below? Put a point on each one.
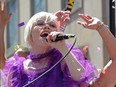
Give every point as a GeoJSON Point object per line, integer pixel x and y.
{"type": "Point", "coordinates": [65, 36]}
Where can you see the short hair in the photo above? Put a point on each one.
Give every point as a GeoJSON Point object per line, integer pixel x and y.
{"type": "Point", "coordinates": [41, 15]}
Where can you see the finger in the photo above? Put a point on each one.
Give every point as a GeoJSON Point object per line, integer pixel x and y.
{"type": "Point", "coordinates": [84, 18]}
{"type": "Point", "coordinates": [62, 18]}
{"type": "Point", "coordinates": [53, 36]}
{"type": "Point", "coordinates": [66, 19]}
{"type": "Point", "coordinates": [79, 22]}
{"type": "Point", "coordinates": [67, 12]}
{"type": "Point", "coordinates": [9, 16]}
{"type": "Point", "coordinates": [62, 12]}
{"type": "Point", "coordinates": [0, 5]}
{"type": "Point", "coordinates": [89, 17]}
{"type": "Point", "coordinates": [59, 17]}
{"type": "Point", "coordinates": [62, 15]}
{"type": "Point", "coordinates": [84, 24]}
{"type": "Point", "coordinates": [91, 20]}
{"type": "Point", "coordinates": [49, 38]}
{"type": "Point", "coordinates": [59, 13]}
{"type": "Point", "coordinates": [56, 12]}
{"type": "Point", "coordinates": [5, 6]}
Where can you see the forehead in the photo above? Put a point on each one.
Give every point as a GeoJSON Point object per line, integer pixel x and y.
{"type": "Point", "coordinates": [47, 17]}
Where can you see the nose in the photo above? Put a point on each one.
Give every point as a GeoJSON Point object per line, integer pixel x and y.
{"type": "Point", "coordinates": [46, 26]}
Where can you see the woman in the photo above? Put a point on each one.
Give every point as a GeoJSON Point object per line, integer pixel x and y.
{"type": "Point", "coordinates": [108, 76]}
{"type": "Point", "coordinates": [40, 32]}
{"type": "Point", "coordinates": [44, 54]}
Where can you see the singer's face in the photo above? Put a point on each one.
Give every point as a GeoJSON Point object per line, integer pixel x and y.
{"type": "Point", "coordinates": [41, 30]}
{"type": "Point", "coordinates": [44, 27]}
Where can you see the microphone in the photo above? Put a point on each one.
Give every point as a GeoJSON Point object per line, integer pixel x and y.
{"type": "Point", "coordinates": [65, 36]}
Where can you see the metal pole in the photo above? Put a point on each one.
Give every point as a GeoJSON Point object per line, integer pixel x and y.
{"type": "Point", "coordinates": [112, 16]}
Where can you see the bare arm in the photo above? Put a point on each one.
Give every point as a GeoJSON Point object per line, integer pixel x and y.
{"type": "Point", "coordinates": [109, 40]}
{"type": "Point", "coordinates": [75, 68]}
{"type": "Point", "coordinates": [2, 49]}
{"type": "Point", "coordinates": [73, 64]}
{"type": "Point", "coordinates": [4, 18]}
{"type": "Point", "coordinates": [108, 76]}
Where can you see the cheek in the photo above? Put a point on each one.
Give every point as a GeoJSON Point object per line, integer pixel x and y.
{"type": "Point", "coordinates": [35, 32]}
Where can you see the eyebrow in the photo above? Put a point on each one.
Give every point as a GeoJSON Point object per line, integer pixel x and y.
{"type": "Point", "coordinates": [39, 20]}
{"type": "Point", "coordinates": [53, 22]}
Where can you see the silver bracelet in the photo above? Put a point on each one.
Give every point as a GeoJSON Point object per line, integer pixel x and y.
{"type": "Point", "coordinates": [100, 26]}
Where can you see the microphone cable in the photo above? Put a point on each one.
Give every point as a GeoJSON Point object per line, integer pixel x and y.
{"type": "Point", "coordinates": [69, 7]}
{"type": "Point", "coordinates": [53, 65]}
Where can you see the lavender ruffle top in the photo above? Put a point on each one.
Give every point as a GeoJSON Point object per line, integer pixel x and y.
{"type": "Point", "coordinates": [14, 74]}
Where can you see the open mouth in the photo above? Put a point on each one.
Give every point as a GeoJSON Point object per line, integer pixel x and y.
{"type": "Point", "coordinates": [44, 34]}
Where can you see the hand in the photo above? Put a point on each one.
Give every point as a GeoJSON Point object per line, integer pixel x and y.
{"type": "Point", "coordinates": [52, 37]}
{"type": "Point", "coordinates": [63, 17]}
{"type": "Point", "coordinates": [89, 22]}
{"type": "Point", "coordinates": [4, 17]}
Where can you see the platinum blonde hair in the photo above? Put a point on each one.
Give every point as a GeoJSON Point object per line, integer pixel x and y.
{"type": "Point", "coordinates": [41, 15]}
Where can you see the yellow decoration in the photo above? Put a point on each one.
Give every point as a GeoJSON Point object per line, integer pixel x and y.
{"type": "Point", "coordinates": [70, 5]}
{"type": "Point", "coordinates": [18, 47]}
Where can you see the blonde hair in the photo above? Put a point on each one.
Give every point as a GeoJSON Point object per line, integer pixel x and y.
{"type": "Point", "coordinates": [41, 15]}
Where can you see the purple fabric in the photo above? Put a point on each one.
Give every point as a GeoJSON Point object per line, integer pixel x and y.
{"type": "Point", "coordinates": [14, 71]}
{"type": "Point", "coordinates": [41, 56]}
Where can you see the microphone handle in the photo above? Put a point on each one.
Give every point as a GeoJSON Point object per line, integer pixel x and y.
{"type": "Point", "coordinates": [62, 37]}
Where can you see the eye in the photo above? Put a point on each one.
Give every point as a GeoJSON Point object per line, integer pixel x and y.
{"type": "Point", "coordinates": [52, 25]}
{"type": "Point", "coordinates": [40, 23]}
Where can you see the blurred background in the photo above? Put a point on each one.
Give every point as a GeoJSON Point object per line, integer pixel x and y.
{"type": "Point", "coordinates": [88, 41]}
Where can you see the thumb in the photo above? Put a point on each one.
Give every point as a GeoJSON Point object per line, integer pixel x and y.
{"type": "Point", "coordinates": [9, 16]}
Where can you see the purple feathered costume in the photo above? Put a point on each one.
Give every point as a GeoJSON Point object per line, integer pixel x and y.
{"type": "Point", "coordinates": [16, 76]}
